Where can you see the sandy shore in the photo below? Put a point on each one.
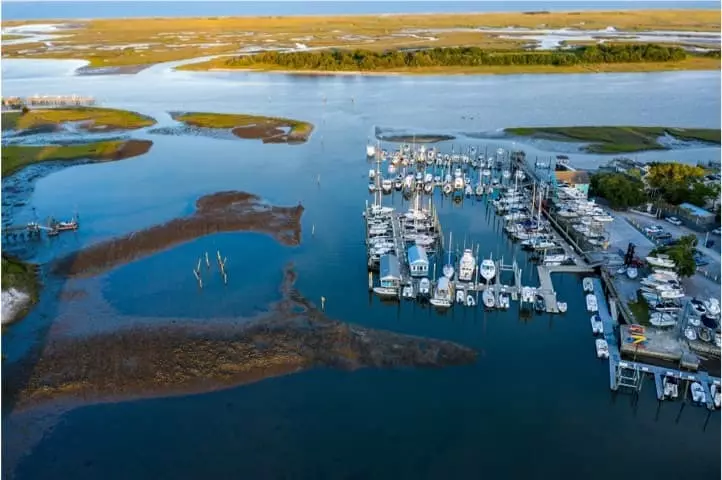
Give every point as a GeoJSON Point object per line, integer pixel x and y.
{"type": "Point", "coordinates": [13, 301]}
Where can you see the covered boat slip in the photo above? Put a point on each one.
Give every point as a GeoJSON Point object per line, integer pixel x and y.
{"type": "Point", "coordinates": [418, 261]}
{"type": "Point", "coordinates": [390, 271]}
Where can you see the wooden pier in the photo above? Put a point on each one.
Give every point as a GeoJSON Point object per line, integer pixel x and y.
{"type": "Point", "coordinates": [546, 287]}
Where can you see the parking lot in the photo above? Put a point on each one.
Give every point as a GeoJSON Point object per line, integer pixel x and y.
{"type": "Point", "coordinates": [699, 284]}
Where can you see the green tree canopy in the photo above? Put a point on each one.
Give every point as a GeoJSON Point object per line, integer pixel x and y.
{"type": "Point", "coordinates": [621, 191]}
{"type": "Point", "coordinates": [682, 253]}
{"type": "Point", "coordinates": [679, 183]}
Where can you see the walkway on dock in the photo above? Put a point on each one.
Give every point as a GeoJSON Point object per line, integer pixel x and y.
{"type": "Point", "coordinates": [616, 363]}
{"type": "Point", "coordinates": [400, 247]}
{"type": "Point", "coordinates": [546, 288]}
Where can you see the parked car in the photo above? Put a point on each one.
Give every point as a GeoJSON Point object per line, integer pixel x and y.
{"type": "Point", "coordinates": [674, 220]}
{"type": "Point", "coordinates": [716, 231]}
{"type": "Point", "coordinates": [662, 236]}
{"type": "Point", "coordinates": [650, 229]}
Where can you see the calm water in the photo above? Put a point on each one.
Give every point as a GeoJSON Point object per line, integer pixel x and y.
{"type": "Point", "coordinates": [535, 405]}
{"type": "Point", "coordinates": [21, 10]}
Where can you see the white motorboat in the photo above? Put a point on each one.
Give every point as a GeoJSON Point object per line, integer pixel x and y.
{"type": "Point", "coordinates": [372, 174]}
{"type": "Point", "coordinates": [690, 334]}
{"type": "Point", "coordinates": [660, 261]}
{"type": "Point", "coordinates": [428, 188]}
{"type": "Point", "coordinates": [458, 183]}
{"type": "Point", "coordinates": [387, 292]}
{"type": "Point", "coordinates": [470, 301]}
{"type": "Point", "coordinates": [424, 287]}
{"type": "Point", "coordinates": [488, 298]}
{"type": "Point", "coordinates": [588, 284]}
{"type": "Point", "coordinates": [597, 325]}
{"type": "Point", "coordinates": [378, 210]}
{"type": "Point", "coordinates": [460, 296]}
{"type": "Point", "coordinates": [671, 387]}
{"type": "Point", "coordinates": [713, 306]}
{"type": "Point", "coordinates": [442, 294]}
{"type": "Point", "coordinates": [370, 150]}
{"type": "Point", "coordinates": [519, 175]}
{"type": "Point", "coordinates": [698, 393]}
{"type": "Point", "coordinates": [387, 185]}
{"type": "Point", "coordinates": [714, 391]}
{"type": "Point", "coordinates": [504, 301]}
{"type": "Point", "coordinates": [486, 172]}
{"type": "Point", "coordinates": [408, 292]}
{"type": "Point", "coordinates": [592, 303]}
{"type": "Point", "coordinates": [562, 307]}
{"type": "Point", "coordinates": [602, 348]}
{"type": "Point", "coordinates": [506, 174]}
{"type": "Point", "coordinates": [479, 190]}
{"type": "Point", "coordinates": [671, 294]}
{"type": "Point", "coordinates": [694, 321]}
{"type": "Point", "coordinates": [698, 307]}
{"type": "Point", "coordinates": [527, 294]}
{"type": "Point", "coordinates": [468, 191]}
{"type": "Point", "coordinates": [662, 320]}
{"type": "Point", "coordinates": [705, 335]}
{"type": "Point", "coordinates": [467, 266]}
{"type": "Point", "coordinates": [632, 273]}
{"type": "Point", "coordinates": [447, 188]}
{"type": "Point", "coordinates": [541, 164]}
{"type": "Point", "coordinates": [487, 269]}
{"type": "Point", "coordinates": [372, 187]}
{"type": "Point", "coordinates": [718, 339]}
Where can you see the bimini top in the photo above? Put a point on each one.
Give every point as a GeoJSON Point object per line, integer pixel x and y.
{"type": "Point", "coordinates": [389, 267]}
{"type": "Point", "coordinates": [442, 284]}
{"type": "Point", "coordinates": [417, 254]}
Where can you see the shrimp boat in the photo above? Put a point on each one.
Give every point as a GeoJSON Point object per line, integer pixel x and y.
{"type": "Point", "coordinates": [597, 325]}
{"type": "Point", "coordinates": [602, 348]}
{"type": "Point", "coordinates": [591, 300]}
{"type": "Point", "coordinates": [467, 266]}
{"type": "Point", "coordinates": [487, 269]}
{"type": "Point", "coordinates": [442, 294]}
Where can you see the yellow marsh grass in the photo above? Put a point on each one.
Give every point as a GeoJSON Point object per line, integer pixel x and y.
{"type": "Point", "coordinates": [162, 33]}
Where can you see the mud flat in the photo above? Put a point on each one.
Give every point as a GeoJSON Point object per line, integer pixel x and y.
{"type": "Point", "coordinates": [253, 127]}
{"type": "Point", "coordinates": [180, 359]}
{"type": "Point", "coordinates": [219, 212]}
{"type": "Point", "coordinates": [91, 119]}
{"type": "Point", "coordinates": [415, 138]}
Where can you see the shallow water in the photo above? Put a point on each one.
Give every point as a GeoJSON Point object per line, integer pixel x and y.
{"type": "Point", "coordinates": [536, 393]}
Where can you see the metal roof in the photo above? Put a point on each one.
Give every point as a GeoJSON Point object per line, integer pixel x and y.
{"type": "Point", "coordinates": [389, 267]}
{"type": "Point", "coordinates": [417, 254]}
{"type": "Point", "coordinates": [696, 211]}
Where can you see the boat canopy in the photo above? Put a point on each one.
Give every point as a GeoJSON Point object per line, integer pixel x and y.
{"type": "Point", "coordinates": [443, 284]}
{"type": "Point", "coordinates": [417, 255]}
{"type": "Point", "coordinates": [389, 268]}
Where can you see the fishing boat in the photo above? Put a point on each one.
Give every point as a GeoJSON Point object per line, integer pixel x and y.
{"type": "Point", "coordinates": [670, 387]}
{"type": "Point", "coordinates": [504, 301]}
{"type": "Point", "coordinates": [487, 269]}
{"type": "Point", "coordinates": [588, 284]}
{"type": "Point", "coordinates": [698, 393]}
{"type": "Point", "coordinates": [714, 391]}
{"type": "Point", "coordinates": [690, 334]}
{"type": "Point", "coordinates": [602, 348]}
{"type": "Point", "coordinates": [442, 293]}
{"type": "Point", "coordinates": [460, 296]}
{"type": "Point", "coordinates": [591, 300]}
{"type": "Point", "coordinates": [488, 298]}
{"type": "Point", "coordinates": [539, 303]}
{"type": "Point", "coordinates": [424, 288]}
{"type": "Point", "coordinates": [467, 266]}
{"type": "Point", "coordinates": [597, 325]}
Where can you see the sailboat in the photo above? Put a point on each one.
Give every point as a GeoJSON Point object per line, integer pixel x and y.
{"type": "Point", "coordinates": [449, 267]}
{"type": "Point", "coordinates": [487, 269]}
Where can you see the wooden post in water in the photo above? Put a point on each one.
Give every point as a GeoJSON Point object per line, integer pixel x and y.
{"type": "Point", "coordinates": [323, 304]}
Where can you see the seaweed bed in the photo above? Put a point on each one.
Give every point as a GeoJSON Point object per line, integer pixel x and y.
{"type": "Point", "coordinates": [181, 359]}
{"type": "Point", "coordinates": [219, 212]}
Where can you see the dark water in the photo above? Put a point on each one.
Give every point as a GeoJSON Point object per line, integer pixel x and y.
{"type": "Point", "coordinates": [22, 10]}
{"type": "Point", "coordinates": [536, 404]}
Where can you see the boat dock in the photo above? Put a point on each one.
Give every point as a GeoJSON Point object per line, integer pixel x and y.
{"type": "Point", "coordinates": [546, 287]}
{"type": "Point", "coordinates": [47, 101]}
{"type": "Point", "coordinates": [630, 374]}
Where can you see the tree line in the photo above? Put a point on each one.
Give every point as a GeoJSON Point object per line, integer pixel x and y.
{"type": "Point", "coordinates": [365, 60]}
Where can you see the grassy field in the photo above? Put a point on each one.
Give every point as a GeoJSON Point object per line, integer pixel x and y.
{"type": "Point", "coordinates": [15, 157]}
{"type": "Point", "coordinates": [268, 129]}
{"type": "Point", "coordinates": [690, 63]}
{"type": "Point", "coordinates": [617, 139]}
{"type": "Point", "coordinates": [20, 275]}
{"type": "Point", "coordinates": [118, 42]}
{"type": "Point", "coordinates": [97, 118]}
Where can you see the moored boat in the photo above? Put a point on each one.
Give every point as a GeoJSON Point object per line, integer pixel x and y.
{"type": "Point", "coordinates": [602, 348]}
{"type": "Point", "coordinates": [591, 300]}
